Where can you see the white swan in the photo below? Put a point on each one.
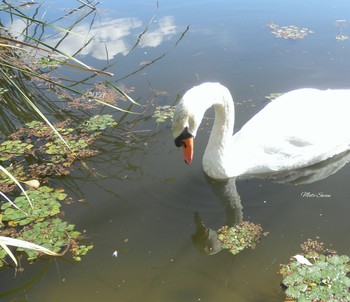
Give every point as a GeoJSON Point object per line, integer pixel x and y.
{"type": "Point", "coordinates": [298, 129]}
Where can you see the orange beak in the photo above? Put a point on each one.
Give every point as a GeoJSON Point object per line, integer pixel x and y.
{"type": "Point", "coordinates": [187, 145]}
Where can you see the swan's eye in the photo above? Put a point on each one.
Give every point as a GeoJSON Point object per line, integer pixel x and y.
{"type": "Point", "coordinates": [179, 141]}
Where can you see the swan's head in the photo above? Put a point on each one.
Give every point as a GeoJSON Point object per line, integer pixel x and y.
{"type": "Point", "coordinates": [184, 130]}
{"type": "Point", "coordinates": [189, 114]}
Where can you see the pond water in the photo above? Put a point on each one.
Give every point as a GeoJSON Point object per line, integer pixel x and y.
{"type": "Point", "coordinates": [145, 204]}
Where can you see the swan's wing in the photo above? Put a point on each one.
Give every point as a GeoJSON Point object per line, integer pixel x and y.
{"type": "Point", "coordinates": [298, 129]}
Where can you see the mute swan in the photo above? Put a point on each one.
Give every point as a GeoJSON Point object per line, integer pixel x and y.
{"type": "Point", "coordinates": [298, 129]}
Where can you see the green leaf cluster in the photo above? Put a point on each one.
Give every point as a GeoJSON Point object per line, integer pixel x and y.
{"type": "Point", "coordinates": [242, 236]}
{"type": "Point", "coordinates": [57, 147]}
{"type": "Point", "coordinates": [162, 113]}
{"type": "Point", "coordinates": [80, 250]}
{"type": "Point", "coordinates": [40, 224]}
{"type": "Point", "coordinates": [327, 279]}
{"type": "Point", "coordinates": [341, 37]}
{"type": "Point", "coordinates": [12, 148]}
{"type": "Point", "coordinates": [53, 234]}
{"type": "Point", "coordinates": [46, 202]}
{"type": "Point", "coordinates": [99, 122]}
{"type": "Point", "coordinates": [35, 152]}
{"type": "Point", "coordinates": [16, 170]}
{"type": "Point", "coordinates": [37, 143]}
{"type": "Point", "coordinates": [274, 95]}
{"type": "Point", "coordinates": [46, 62]}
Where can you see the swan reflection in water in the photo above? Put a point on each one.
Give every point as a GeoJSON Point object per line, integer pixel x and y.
{"type": "Point", "coordinates": [206, 239]}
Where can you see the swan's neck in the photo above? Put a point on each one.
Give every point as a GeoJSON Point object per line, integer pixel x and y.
{"type": "Point", "coordinates": [222, 131]}
{"type": "Point", "coordinates": [219, 145]}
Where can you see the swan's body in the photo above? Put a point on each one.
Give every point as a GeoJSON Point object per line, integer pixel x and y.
{"type": "Point", "coordinates": [298, 129]}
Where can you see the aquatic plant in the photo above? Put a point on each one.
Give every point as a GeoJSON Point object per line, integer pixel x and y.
{"type": "Point", "coordinates": [7, 241]}
{"type": "Point", "coordinates": [237, 238]}
{"type": "Point", "coordinates": [99, 122]}
{"type": "Point", "coordinates": [291, 32]}
{"type": "Point", "coordinates": [42, 149]}
{"type": "Point", "coordinates": [28, 65]}
{"type": "Point", "coordinates": [162, 113]}
{"type": "Point", "coordinates": [40, 225]}
{"type": "Point", "coordinates": [341, 37]}
{"type": "Point", "coordinates": [273, 96]}
{"type": "Point", "coordinates": [46, 202]}
{"type": "Point", "coordinates": [340, 24]}
{"type": "Point", "coordinates": [325, 278]}
{"type": "Point", "coordinates": [34, 152]}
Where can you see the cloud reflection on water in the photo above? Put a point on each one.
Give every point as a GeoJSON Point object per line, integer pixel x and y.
{"type": "Point", "coordinates": [111, 37]}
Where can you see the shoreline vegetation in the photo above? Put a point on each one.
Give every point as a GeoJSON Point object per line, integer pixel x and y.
{"type": "Point", "coordinates": [39, 139]}
{"type": "Point", "coordinates": [50, 122]}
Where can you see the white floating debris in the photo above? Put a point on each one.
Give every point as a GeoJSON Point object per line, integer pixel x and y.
{"type": "Point", "coordinates": [115, 254]}
{"type": "Point", "coordinates": [302, 260]}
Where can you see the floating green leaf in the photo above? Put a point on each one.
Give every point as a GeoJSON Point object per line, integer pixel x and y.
{"type": "Point", "coordinates": [16, 170]}
{"type": "Point", "coordinates": [45, 203]}
{"type": "Point", "coordinates": [40, 224]}
{"type": "Point", "coordinates": [46, 62]}
{"type": "Point", "coordinates": [242, 236]}
{"type": "Point", "coordinates": [53, 234]}
{"type": "Point", "coordinates": [341, 37]}
{"type": "Point", "coordinates": [99, 122]}
{"type": "Point", "coordinates": [326, 279]}
{"type": "Point", "coordinates": [14, 148]}
{"type": "Point", "coordinates": [162, 113]}
{"type": "Point", "coordinates": [80, 250]}
{"type": "Point", "coordinates": [273, 96]}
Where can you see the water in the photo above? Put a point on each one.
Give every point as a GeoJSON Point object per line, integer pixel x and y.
{"type": "Point", "coordinates": [144, 207]}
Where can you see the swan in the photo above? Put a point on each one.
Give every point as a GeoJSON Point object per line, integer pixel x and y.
{"type": "Point", "coordinates": [296, 130]}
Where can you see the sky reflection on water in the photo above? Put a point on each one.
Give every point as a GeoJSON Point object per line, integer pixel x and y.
{"type": "Point", "coordinates": [148, 217]}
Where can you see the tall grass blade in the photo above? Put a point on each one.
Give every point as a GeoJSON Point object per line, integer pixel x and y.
{"type": "Point", "coordinates": [36, 109]}
{"type": "Point", "coordinates": [9, 200]}
{"type": "Point", "coordinates": [138, 40]}
{"type": "Point", "coordinates": [182, 35]}
{"type": "Point", "coordinates": [5, 241]}
{"type": "Point", "coordinates": [26, 245]}
{"type": "Point", "coordinates": [43, 23]}
{"type": "Point", "coordinates": [8, 251]}
{"type": "Point", "coordinates": [17, 183]}
{"type": "Point", "coordinates": [83, 67]}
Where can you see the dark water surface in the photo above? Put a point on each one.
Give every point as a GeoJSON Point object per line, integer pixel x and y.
{"type": "Point", "coordinates": [144, 208]}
